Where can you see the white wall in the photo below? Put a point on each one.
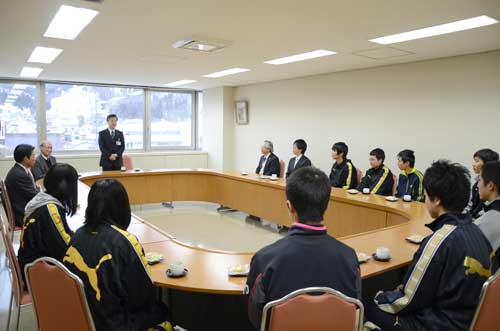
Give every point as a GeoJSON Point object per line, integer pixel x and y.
{"type": "Point", "coordinates": [146, 161]}
{"type": "Point", "coordinates": [445, 108]}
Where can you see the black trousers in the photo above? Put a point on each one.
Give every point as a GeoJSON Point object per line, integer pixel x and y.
{"type": "Point", "coordinates": [385, 321]}
{"type": "Point", "coordinates": [111, 166]}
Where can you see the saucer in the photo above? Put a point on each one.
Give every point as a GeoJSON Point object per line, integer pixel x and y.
{"type": "Point", "coordinates": [381, 260]}
{"type": "Point", "coordinates": [353, 191]}
{"type": "Point", "coordinates": [169, 274]}
{"type": "Point", "coordinates": [415, 239]}
{"type": "Point", "coordinates": [391, 199]}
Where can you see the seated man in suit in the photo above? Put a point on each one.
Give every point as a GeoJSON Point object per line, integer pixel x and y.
{"type": "Point", "coordinates": [269, 164]}
{"type": "Point", "coordinates": [476, 206]}
{"type": "Point", "coordinates": [112, 145]}
{"type": "Point", "coordinates": [300, 160]}
{"type": "Point", "coordinates": [43, 161]}
{"type": "Point", "coordinates": [410, 179]}
{"type": "Point", "coordinates": [378, 178]}
{"type": "Point", "coordinates": [441, 288]}
{"type": "Point", "coordinates": [343, 174]}
{"type": "Point", "coordinates": [20, 182]}
{"type": "Point", "coordinates": [308, 256]}
{"type": "Point", "coordinates": [489, 192]}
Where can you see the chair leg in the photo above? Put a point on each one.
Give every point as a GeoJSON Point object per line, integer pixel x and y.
{"type": "Point", "coordinates": [168, 205]}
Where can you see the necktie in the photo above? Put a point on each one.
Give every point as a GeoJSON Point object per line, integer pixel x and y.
{"type": "Point", "coordinates": [113, 134]}
{"type": "Point", "coordinates": [32, 180]}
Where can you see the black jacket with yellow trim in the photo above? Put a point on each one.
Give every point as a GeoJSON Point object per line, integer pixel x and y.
{"type": "Point", "coordinates": [45, 233]}
{"type": "Point", "coordinates": [379, 180]}
{"type": "Point", "coordinates": [307, 257]}
{"type": "Point", "coordinates": [344, 175]}
{"type": "Point", "coordinates": [117, 279]}
{"type": "Point", "coordinates": [411, 184]}
{"type": "Point", "coordinates": [442, 285]}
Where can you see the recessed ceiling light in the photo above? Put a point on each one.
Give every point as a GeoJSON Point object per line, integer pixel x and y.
{"type": "Point", "coordinates": [301, 57]}
{"type": "Point", "coordinates": [44, 54]}
{"type": "Point", "coordinates": [198, 45]}
{"type": "Point", "coordinates": [180, 82]}
{"type": "Point", "coordinates": [467, 24]}
{"type": "Point", "coordinates": [227, 72]}
{"type": "Point", "coordinates": [30, 72]}
{"type": "Point", "coordinates": [69, 22]}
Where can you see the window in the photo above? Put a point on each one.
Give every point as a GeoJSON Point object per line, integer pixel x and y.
{"type": "Point", "coordinates": [76, 113]}
{"type": "Point", "coordinates": [199, 118]}
{"type": "Point", "coordinates": [171, 119]}
{"type": "Point", "coordinates": [17, 116]}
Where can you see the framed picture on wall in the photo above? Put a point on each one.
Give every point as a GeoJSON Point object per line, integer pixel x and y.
{"type": "Point", "coordinates": [241, 112]}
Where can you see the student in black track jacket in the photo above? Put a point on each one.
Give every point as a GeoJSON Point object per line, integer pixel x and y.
{"type": "Point", "coordinates": [441, 288]}
{"type": "Point", "coordinates": [410, 179]}
{"type": "Point", "coordinates": [378, 178]}
{"type": "Point", "coordinates": [300, 160]}
{"type": "Point", "coordinates": [476, 206]}
{"type": "Point", "coordinates": [308, 256]}
{"type": "Point", "coordinates": [344, 174]}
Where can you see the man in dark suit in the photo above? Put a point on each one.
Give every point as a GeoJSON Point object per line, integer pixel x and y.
{"type": "Point", "coordinates": [300, 160]}
{"type": "Point", "coordinates": [43, 161]}
{"type": "Point", "coordinates": [269, 164]}
{"type": "Point", "coordinates": [112, 145]}
{"type": "Point", "coordinates": [20, 182]}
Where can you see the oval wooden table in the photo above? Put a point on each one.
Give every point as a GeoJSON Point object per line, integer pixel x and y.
{"type": "Point", "coordinates": [363, 222]}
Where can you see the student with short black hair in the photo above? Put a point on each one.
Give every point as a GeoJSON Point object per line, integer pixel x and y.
{"type": "Point", "coordinates": [489, 192]}
{"type": "Point", "coordinates": [111, 263]}
{"type": "Point", "coordinates": [343, 174]}
{"type": "Point", "coordinates": [45, 230]}
{"type": "Point", "coordinates": [410, 179]}
{"type": "Point", "coordinates": [475, 206]}
{"type": "Point", "coordinates": [20, 182]}
{"type": "Point", "coordinates": [441, 288]}
{"type": "Point", "coordinates": [300, 160]}
{"type": "Point", "coordinates": [378, 178]}
{"type": "Point", "coordinates": [308, 256]}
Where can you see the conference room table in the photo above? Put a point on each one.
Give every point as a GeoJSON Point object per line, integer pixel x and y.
{"type": "Point", "coordinates": [364, 222]}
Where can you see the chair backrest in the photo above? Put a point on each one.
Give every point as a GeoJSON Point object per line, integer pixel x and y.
{"type": "Point", "coordinates": [58, 296]}
{"type": "Point", "coordinates": [485, 317]}
{"type": "Point", "coordinates": [282, 168]}
{"type": "Point", "coordinates": [127, 162]}
{"type": "Point", "coordinates": [327, 309]}
{"type": "Point", "coordinates": [17, 280]}
{"type": "Point", "coordinates": [9, 212]}
{"type": "Point", "coordinates": [395, 185]}
{"type": "Point", "coordinates": [359, 174]}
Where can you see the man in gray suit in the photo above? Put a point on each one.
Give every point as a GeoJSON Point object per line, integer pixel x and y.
{"type": "Point", "coordinates": [43, 161]}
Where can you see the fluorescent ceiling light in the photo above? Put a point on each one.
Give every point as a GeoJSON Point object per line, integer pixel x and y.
{"type": "Point", "coordinates": [470, 23]}
{"type": "Point", "coordinates": [227, 72]}
{"type": "Point", "coordinates": [301, 57]}
{"type": "Point", "coordinates": [30, 72]}
{"type": "Point", "coordinates": [44, 54]}
{"type": "Point", "coordinates": [69, 22]}
{"type": "Point", "coordinates": [180, 82]}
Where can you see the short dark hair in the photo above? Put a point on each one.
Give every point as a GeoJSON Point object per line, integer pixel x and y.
{"type": "Point", "coordinates": [21, 151]}
{"type": "Point", "coordinates": [110, 116]}
{"type": "Point", "coordinates": [378, 153]}
{"type": "Point", "coordinates": [486, 155]}
{"type": "Point", "coordinates": [61, 182]}
{"type": "Point", "coordinates": [450, 183]}
{"type": "Point", "coordinates": [341, 147]}
{"type": "Point", "coordinates": [108, 203]}
{"type": "Point", "coordinates": [301, 144]}
{"type": "Point", "coordinates": [491, 173]}
{"type": "Point", "coordinates": [308, 190]}
{"type": "Point", "coordinates": [407, 155]}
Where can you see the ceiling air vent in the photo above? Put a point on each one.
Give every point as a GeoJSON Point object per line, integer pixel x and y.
{"type": "Point", "coordinates": [198, 45]}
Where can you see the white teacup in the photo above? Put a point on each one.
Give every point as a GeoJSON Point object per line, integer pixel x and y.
{"type": "Point", "coordinates": [366, 190]}
{"type": "Point", "coordinates": [407, 198]}
{"type": "Point", "coordinates": [274, 176]}
{"type": "Point", "coordinates": [383, 253]}
{"type": "Point", "coordinates": [177, 268]}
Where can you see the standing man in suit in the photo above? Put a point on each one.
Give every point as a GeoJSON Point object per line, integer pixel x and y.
{"type": "Point", "coordinates": [20, 182]}
{"type": "Point", "coordinates": [300, 160]}
{"type": "Point", "coordinates": [112, 145]}
{"type": "Point", "coordinates": [43, 161]}
{"type": "Point", "coordinates": [269, 163]}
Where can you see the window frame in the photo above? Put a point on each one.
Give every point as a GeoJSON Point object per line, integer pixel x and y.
{"type": "Point", "coordinates": [41, 125]}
